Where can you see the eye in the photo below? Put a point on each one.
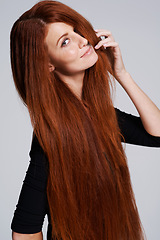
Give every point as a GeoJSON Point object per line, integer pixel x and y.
{"type": "Point", "coordinates": [65, 42]}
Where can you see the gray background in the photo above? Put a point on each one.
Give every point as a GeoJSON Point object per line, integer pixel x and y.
{"type": "Point", "coordinates": [135, 26]}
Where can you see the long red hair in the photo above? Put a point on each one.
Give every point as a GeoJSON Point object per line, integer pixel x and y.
{"type": "Point", "coordinates": [89, 188]}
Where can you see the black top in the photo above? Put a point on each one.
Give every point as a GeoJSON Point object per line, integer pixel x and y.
{"type": "Point", "coordinates": [33, 206]}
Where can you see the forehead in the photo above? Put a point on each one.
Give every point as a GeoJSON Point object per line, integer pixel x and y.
{"type": "Point", "coordinates": [56, 30]}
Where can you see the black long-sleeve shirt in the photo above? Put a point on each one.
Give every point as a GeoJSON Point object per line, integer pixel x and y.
{"type": "Point", "coordinates": [33, 206]}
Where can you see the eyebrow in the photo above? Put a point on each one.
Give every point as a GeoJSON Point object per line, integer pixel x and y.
{"type": "Point", "coordinates": [65, 34]}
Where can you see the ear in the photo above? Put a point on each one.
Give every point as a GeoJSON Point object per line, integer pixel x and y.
{"type": "Point", "coordinates": [51, 67]}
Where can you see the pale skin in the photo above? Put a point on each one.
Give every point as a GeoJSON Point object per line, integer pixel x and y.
{"type": "Point", "coordinates": [73, 74]}
{"type": "Point", "coordinates": [35, 236]}
{"type": "Point", "coordinates": [66, 55]}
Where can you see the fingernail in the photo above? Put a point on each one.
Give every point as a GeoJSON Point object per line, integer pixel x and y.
{"type": "Point", "coordinates": [96, 47]}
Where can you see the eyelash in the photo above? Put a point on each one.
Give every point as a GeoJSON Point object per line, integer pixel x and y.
{"type": "Point", "coordinates": [63, 43]}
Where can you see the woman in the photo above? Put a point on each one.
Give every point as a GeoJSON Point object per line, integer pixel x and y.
{"type": "Point", "coordinates": [78, 173]}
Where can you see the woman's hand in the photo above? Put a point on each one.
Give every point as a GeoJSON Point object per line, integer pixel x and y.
{"type": "Point", "coordinates": [108, 41]}
{"type": "Point", "coordinates": [148, 111]}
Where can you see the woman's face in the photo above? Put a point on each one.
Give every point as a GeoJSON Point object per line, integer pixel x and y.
{"type": "Point", "coordinates": [69, 52]}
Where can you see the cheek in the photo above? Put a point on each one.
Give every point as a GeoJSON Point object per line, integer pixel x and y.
{"type": "Point", "coordinates": [70, 55]}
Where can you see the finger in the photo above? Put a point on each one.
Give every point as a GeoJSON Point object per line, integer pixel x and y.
{"type": "Point", "coordinates": [103, 32]}
{"type": "Point", "coordinates": [103, 42]}
{"type": "Point", "coordinates": [111, 44]}
{"type": "Point", "coordinates": [106, 44]}
{"type": "Point", "coordinates": [106, 39]}
{"type": "Point", "coordinates": [106, 34]}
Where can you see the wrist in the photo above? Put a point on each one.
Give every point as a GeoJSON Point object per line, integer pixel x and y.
{"type": "Point", "coordinates": [124, 74]}
{"type": "Point", "coordinates": [124, 78]}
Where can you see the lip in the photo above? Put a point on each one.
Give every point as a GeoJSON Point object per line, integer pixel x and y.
{"type": "Point", "coordinates": [89, 50]}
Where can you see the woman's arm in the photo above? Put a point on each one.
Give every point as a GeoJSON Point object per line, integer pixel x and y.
{"type": "Point", "coordinates": [133, 132]}
{"type": "Point", "coordinates": [19, 236]}
{"type": "Point", "coordinates": [32, 205]}
{"type": "Point", "coordinates": [149, 113]}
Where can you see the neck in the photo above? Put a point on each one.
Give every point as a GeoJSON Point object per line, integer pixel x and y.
{"type": "Point", "coordinates": [74, 82]}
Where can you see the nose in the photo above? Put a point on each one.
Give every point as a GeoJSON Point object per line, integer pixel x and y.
{"type": "Point", "coordinates": [82, 42]}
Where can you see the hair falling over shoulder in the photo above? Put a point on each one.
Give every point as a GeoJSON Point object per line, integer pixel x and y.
{"type": "Point", "coordinates": [89, 188]}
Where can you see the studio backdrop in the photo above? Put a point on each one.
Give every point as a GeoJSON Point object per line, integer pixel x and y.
{"type": "Point", "coordinates": [135, 26]}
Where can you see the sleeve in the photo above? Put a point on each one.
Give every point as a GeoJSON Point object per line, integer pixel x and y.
{"type": "Point", "coordinates": [32, 204]}
{"type": "Point", "coordinates": [133, 131]}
